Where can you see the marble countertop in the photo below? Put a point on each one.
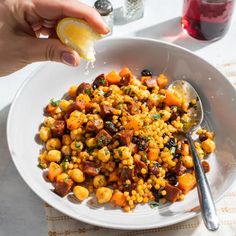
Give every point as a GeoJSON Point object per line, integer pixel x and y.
{"type": "Point", "coordinates": [21, 211]}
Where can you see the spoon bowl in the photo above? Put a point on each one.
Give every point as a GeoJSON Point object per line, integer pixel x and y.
{"type": "Point", "coordinates": [188, 93]}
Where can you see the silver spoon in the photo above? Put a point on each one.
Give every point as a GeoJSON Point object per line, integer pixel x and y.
{"type": "Point", "coordinates": [207, 205]}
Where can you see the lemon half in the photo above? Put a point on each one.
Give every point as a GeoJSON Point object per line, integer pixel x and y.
{"type": "Point", "coordinates": [79, 35]}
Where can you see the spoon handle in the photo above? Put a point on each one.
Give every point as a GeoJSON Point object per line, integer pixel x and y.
{"type": "Point", "coordinates": [207, 204]}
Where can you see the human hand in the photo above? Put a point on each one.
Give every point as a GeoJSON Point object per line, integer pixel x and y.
{"type": "Point", "coordinates": [22, 22]}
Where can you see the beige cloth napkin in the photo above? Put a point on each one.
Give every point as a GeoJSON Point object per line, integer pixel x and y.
{"type": "Point", "coordinates": [60, 224]}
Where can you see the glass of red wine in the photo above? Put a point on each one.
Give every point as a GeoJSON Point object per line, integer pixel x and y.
{"type": "Point", "coordinates": [207, 19]}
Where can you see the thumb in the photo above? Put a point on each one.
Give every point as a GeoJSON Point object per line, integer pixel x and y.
{"type": "Point", "coordinates": [43, 49]}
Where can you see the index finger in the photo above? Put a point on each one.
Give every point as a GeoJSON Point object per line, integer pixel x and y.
{"type": "Point", "coordinates": [57, 9]}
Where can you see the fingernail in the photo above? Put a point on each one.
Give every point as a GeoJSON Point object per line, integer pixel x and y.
{"type": "Point", "coordinates": [107, 29]}
{"type": "Point", "coordinates": [69, 59]}
{"type": "Point", "coordinates": [36, 27]}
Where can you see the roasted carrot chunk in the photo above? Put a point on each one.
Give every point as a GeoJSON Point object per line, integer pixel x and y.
{"type": "Point", "coordinates": [162, 81]}
{"type": "Point", "coordinates": [113, 77]}
{"type": "Point", "coordinates": [186, 182]}
{"type": "Point", "coordinates": [125, 71]}
{"type": "Point", "coordinates": [172, 99]}
{"type": "Point", "coordinates": [118, 198]}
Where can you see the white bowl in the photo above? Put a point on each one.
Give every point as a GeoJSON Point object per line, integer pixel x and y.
{"type": "Point", "coordinates": [53, 80]}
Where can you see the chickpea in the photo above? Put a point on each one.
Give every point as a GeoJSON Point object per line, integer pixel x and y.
{"type": "Point", "coordinates": [66, 150]}
{"type": "Point", "coordinates": [66, 140]}
{"type": "Point", "coordinates": [62, 177]}
{"type": "Point", "coordinates": [104, 154]}
{"type": "Point", "coordinates": [53, 143]}
{"type": "Point", "coordinates": [77, 146]}
{"type": "Point", "coordinates": [74, 134]}
{"type": "Point", "coordinates": [115, 88]}
{"type": "Point", "coordinates": [77, 175]}
{"type": "Point", "coordinates": [91, 142]}
{"type": "Point", "coordinates": [80, 192]}
{"type": "Point", "coordinates": [48, 122]}
{"type": "Point", "coordinates": [103, 195]}
{"type": "Point", "coordinates": [99, 181]}
{"type": "Point", "coordinates": [83, 97]}
{"type": "Point", "coordinates": [187, 161]}
{"type": "Point", "coordinates": [76, 120]}
{"type": "Point", "coordinates": [208, 145]}
{"type": "Point", "coordinates": [54, 155]}
{"type": "Point", "coordinates": [43, 159]}
{"type": "Point", "coordinates": [45, 133]}
{"type": "Point", "coordinates": [64, 104]}
{"type": "Point", "coordinates": [210, 135]}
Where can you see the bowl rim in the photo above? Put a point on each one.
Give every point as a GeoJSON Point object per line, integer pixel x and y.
{"type": "Point", "coordinates": [97, 222]}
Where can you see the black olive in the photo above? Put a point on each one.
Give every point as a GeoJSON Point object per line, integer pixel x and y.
{"type": "Point", "coordinates": [142, 142]}
{"type": "Point", "coordinates": [171, 143]}
{"type": "Point", "coordinates": [110, 127]}
{"type": "Point", "coordinates": [67, 131]}
{"type": "Point", "coordinates": [175, 114]}
{"type": "Point", "coordinates": [202, 137]}
{"type": "Point", "coordinates": [135, 139]}
{"type": "Point", "coordinates": [164, 135]}
{"type": "Point", "coordinates": [157, 193]}
{"type": "Point", "coordinates": [172, 178]}
{"type": "Point", "coordinates": [146, 72]}
{"type": "Point", "coordinates": [177, 155]}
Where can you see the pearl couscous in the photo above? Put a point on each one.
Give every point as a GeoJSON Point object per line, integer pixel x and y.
{"type": "Point", "coordinates": [117, 138]}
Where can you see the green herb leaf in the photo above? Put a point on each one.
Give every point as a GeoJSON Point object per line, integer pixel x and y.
{"type": "Point", "coordinates": [77, 145]}
{"type": "Point", "coordinates": [103, 81]}
{"type": "Point", "coordinates": [90, 150]}
{"type": "Point", "coordinates": [172, 150]}
{"type": "Point", "coordinates": [144, 159]}
{"type": "Point", "coordinates": [156, 164]}
{"type": "Point", "coordinates": [179, 147]}
{"type": "Point", "coordinates": [160, 96]}
{"type": "Point", "coordinates": [88, 91]}
{"type": "Point", "coordinates": [106, 151]}
{"type": "Point", "coordinates": [54, 103]}
{"type": "Point", "coordinates": [156, 116]}
{"type": "Point", "coordinates": [41, 166]}
{"type": "Point", "coordinates": [64, 165]}
{"type": "Point", "coordinates": [153, 204]}
{"type": "Point", "coordinates": [99, 143]}
{"type": "Point", "coordinates": [120, 153]}
{"type": "Point", "coordinates": [64, 161]}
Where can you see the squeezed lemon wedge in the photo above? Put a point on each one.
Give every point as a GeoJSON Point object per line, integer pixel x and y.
{"type": "Point", "coordinates": [78, 35]}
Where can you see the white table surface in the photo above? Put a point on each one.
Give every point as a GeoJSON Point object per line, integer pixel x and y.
{"type": "Point", "coordinates": [21, 211]}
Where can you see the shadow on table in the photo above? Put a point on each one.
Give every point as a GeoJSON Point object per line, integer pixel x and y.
{"type": "Point", "coordinates": [171, 31]}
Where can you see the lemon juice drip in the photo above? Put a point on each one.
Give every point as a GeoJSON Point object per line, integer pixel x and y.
{"type": "Point", "coordinates": [88, 67]}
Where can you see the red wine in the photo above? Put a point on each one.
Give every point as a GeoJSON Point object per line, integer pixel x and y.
{"type": "Point", "coordinates": [207, 19]}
